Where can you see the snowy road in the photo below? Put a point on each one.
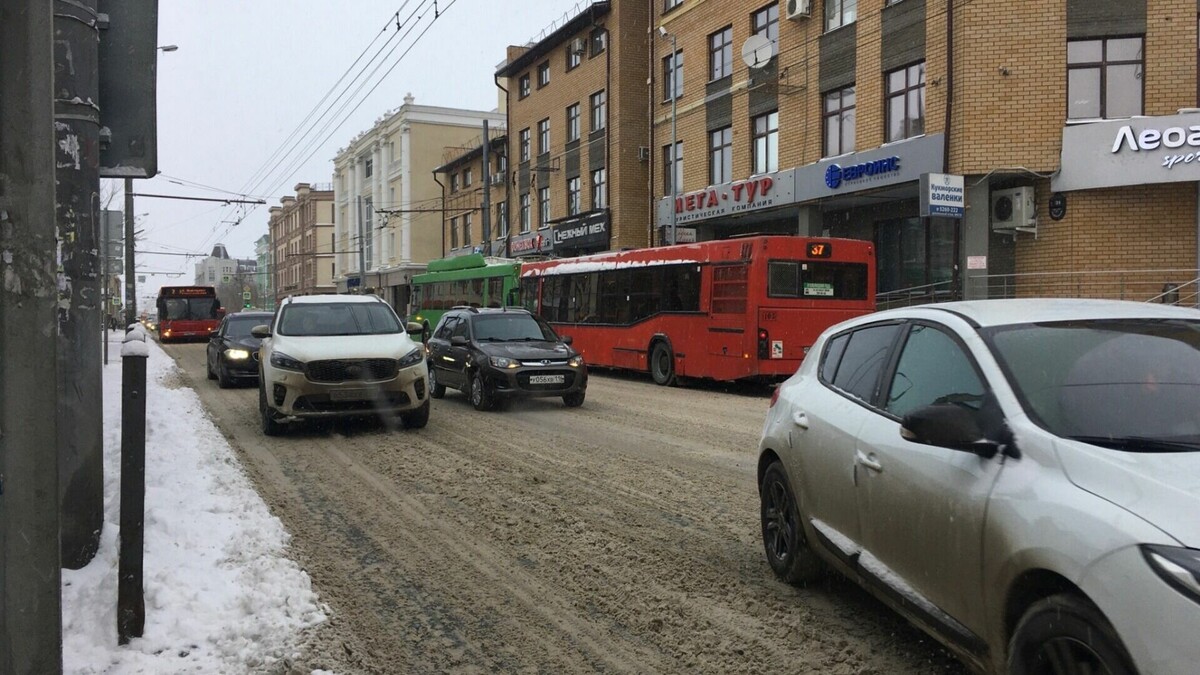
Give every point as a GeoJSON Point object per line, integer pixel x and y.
{"type": "Point", "coordinates": [622, 536]}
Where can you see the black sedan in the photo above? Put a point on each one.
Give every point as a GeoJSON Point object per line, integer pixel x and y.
{"type": "Point", "coordinates": [233, 351]}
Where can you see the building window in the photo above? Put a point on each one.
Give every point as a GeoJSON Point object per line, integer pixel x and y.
{"type": "Point", "coordinates": [454, 232]}
{"type": "Point", "coordinates": [672, 169]}
{"type": "Point", "coordinates": [721, 154]}
{"type": "Point", "coordinates": [544, 136]}
{"type": "Point", "coordinates": [720, 53]}
{"type": "Point", "coordinates": [573, 122]}
{"type": "Point", "coordinates": [543, 74]}
{"type": "Point", "coordinates": [906, 102]}
{"type": "Point", "coordinates": [839, 122]}
{"type": "Point", "coordinates": [467, 178]}
{"type": "Point", "coordinates": [543, 207]}
{"type": "Point", "coordinates": [765, 22]}
{"type": "Point", "coordinates": [600, 189]}
{"type": "Point", "coordinates": [523, 86]}
{"type": "Point", "coordinates": [524, 144]}
{"type": "Point", "coordinates": [840, 13]}
{"type": "Point", "coordinates": [599, 42]}
{"type": "Point", "coordinates": [501, 220]}
{"type": "Point", "coordinates": [573, 196]}
{"type": "Point", "coordinates": [1104, 78]}
{"type": "Point", "coordinates": [599, 110]}
{"type": "Point", "coordinates": [524, 212]}
{"type": "Point", "coordinates": [673, 75]}
{"type": "Point", "coordinates": [575, 50]}
{"type": "Point", "coordinates": [454, 182]}
{"type": "Point", "coordinates": [766, 143]}
{"type": "Point", "coordinates": [466, 225]}
{"type": "Point", "coordinates": [368, 167]}
{"type": "Point", "coordinates": [669, 5]}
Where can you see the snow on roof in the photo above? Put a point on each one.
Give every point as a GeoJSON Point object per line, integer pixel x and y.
{"type": "Point", "coordinates": [583, 266]}
{"type": "Point", "coordinates": [334, 297]}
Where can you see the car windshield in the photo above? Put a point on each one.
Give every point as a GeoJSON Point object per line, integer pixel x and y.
{"type": "Point", "coordinates": [238, 327]}
{"type": "Point", "coordinates": [338, 318]}
{"type": "Point", "coordinates": [512, 328]}
{"type": "Point", "coordinates": [1131, 385]}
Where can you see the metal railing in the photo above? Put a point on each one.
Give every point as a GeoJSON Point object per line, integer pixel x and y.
{"type": "Point", "coordinates": [941, 291]}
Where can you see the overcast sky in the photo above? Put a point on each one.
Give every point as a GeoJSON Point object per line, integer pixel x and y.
{"type": "Point", "coordinates": [246, 75]}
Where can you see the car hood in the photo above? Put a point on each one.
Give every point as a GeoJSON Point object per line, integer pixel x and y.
{"type": "Point", "coordinates": [321, 348]}
{"type": "Point", "coordinates": [1162, 488]}
{"type": "Point", "coordinates": [528, 351]}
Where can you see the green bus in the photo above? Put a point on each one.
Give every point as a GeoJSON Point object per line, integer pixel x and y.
{"type": "Point", "coordinates": [468, 280]}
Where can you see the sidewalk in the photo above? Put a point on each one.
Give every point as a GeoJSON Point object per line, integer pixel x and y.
{"type": "Point", "coordinates": [221, 593]}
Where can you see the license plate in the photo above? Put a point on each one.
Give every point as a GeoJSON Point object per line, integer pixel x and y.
{"type": "Point", "coordinates": [349, 395]}
{"type": "Point", "coordinates": [546, 379]}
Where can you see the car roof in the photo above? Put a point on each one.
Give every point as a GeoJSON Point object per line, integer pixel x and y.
{"type": "Point", "coordinates": [252, 313]}
{"type": "Point", "coordinates": [332, 297]}
{"type": "Point", "coordinates": [490, 310]}
{"type": "Point", "coordinates": [1004, 312]}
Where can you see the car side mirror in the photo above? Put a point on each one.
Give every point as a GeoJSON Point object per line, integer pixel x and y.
{"type": "Point", "coordinates": [213, 334]}
{"type": "Point", "coordinates": [414, 328]}
{"type": "Point", "coordinates": [261, 332]}
{"type": "Point", "coordinates": [459, 341]}
{"type": "Point", "coordinates": [948, 425]}
{"type": "Point", "coordinates": [566, 339]}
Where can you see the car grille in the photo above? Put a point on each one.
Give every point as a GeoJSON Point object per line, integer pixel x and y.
{"type": "Point", "coordinates": [544, 364]}
{"type": "Point", "coordinates": [351, 370]}
{"type": "Point", "coordinates": [567, 383]}
{"type": "Point", "coordinates": [322, 403]}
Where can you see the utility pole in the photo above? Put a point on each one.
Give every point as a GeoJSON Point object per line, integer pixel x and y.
{"type": "Point", "coordinates": [362, 247]}
{"type": "Point", "coordinates": [486, 220]}
{"type": "Point", "coordinates": [77, 160]}
{"type": "Point", "coordinates": [130, 286]}
{"type": "Point", "coordinates": [30, 576]}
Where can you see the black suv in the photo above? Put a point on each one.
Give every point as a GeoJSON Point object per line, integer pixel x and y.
{"type": "Point", "coordinates": [496, 354]}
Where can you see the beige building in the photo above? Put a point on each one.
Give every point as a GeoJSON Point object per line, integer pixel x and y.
{"type": "Point", "coordinates": [578, 125]}
{"type": "Point", "coordinates": [464, 178]}
{"type": "Point", "coordinates": [302, 240]}
{"type": "Point", "coordinates": [387, 203]}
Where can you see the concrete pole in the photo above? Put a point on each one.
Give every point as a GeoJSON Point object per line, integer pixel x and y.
{"type": "Point", "coordinates": [130, 287]}
{"type": "Point", "coordinates": [80, 408]}
{"type": "Point", "coordinates": [30, 576]}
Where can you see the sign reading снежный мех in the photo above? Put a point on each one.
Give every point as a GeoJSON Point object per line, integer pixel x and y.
{"type": "Point", "coordinates": [1135, 151]}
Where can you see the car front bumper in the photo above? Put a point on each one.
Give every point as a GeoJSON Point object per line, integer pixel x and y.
{"type": "Point", "coordinates": [536, 381]}
{"type": "Point", "coordinates": [292, 394]}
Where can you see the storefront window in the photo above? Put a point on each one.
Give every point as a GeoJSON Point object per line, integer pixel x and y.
{"type": "Point", "coordinates": [914, 260]}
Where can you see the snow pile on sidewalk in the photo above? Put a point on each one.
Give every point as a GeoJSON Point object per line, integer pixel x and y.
{"type": "Point", "coordinates": [221, 594]}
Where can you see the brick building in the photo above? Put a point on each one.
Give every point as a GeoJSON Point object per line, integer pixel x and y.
{"type": "Point", "coordinates": [577, 131]}
{"type": "Point", "coordinates": [825, 124]}
{"type": "Point", "coordinates": [302, 238]}
{"type": "Point", "coordinates": [465, 176]}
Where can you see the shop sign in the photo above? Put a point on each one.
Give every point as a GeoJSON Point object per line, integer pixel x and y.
{"type": "Point", "coordinates": [893, 164]}
{"type": "Point", "coordinates": [754, 193]}
{"type": "Point", "coordinates": [528, 244]}
{"type": "Point", "coordinates": [836, 175]}
{"type": "Point", "coordinates": [942, 195]}
{"type": "Point", "coordinates": [588, 231]}
{"type": "Point", "coordinates": [685, 235]}
{"type": "Point", "coordinates": [1130, 152]}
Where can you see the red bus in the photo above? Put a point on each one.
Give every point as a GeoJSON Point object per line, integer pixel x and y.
{"type": "Point", "coordinates": [188, 312]}
{"type": "Point", "coordinates": [729, 309]}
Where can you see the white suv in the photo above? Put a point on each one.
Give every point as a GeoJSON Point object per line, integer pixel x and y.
{"type": "Point", "coordinates": [330, 356]}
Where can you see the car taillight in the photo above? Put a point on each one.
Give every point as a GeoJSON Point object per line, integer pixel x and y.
{"type": "Point", "coordinates": [774, 397]}
{"type": "Point", "coordinates": [764, 344]}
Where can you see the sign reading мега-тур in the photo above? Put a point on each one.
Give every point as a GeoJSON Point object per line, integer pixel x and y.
{"type": "Point", "coordinates": [942, 195]}
{"type": "Point", "coordinates": [742, 196]}
{"type": "Point", "coordinates": [1136, 151]}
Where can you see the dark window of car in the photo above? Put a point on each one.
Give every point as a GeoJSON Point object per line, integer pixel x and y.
{"type": "Point", "coordinates": [237, 327]}
{"type": "Point", "coordinates": [833, 356]}
{"type": "Point", "coordinates": [511, 327]}
{"type": "Point", "coordinates": [445, 328]}
{"type": "Point", "coordinates": [858, 372]}
{"type": "Point", "coordinates": [1127, 384]}
{"type": "Point", "coordinates": [460, 329]}
{"type": "Point", "coordinates": [338, 318]}
{"type": "Point", "coordinates": [933, 368]}
{"type": "Point", "coordinates": [816, 280]}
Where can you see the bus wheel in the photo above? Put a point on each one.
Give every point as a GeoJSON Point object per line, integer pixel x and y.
{"type": "Point", "coordinates": [662, 364]}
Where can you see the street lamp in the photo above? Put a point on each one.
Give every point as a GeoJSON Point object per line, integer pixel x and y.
{"type": "Point", "coordinates": [675, 173]}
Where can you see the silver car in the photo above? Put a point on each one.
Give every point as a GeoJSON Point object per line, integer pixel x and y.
{"type": "Point", "coordinates": [1019, 478]}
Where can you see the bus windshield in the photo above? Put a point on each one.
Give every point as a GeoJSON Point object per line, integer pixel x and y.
{"type": "Point", "coordinates": [187, 309]}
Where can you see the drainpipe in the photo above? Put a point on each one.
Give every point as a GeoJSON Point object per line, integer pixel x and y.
{"type": "Point", "coordinates": [508, 155]}
{"type": "Point", "coordinates": [949, 83]}
{"type": "Point", "coordinates": [443, 213]}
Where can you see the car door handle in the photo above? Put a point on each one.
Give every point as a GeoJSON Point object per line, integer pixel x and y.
{"type": "Point", "coordinates": [800, 419]}
{"type": "Point", "coordinates": [868, 461]}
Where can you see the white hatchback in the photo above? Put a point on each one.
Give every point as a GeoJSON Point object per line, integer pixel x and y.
{"type": "Point", "coordinates": [1020, 478]}
{"type": "Point", "coordinates": [329, 356]}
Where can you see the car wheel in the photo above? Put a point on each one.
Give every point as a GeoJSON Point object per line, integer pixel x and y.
{"type": "Point", "coordinates": [436, 389]}
{"type": "Point", "coordinates": [1065, 634]}
{"type": "Point", "coordinates": [224, 381]}
{"type": "Point", "coordinates": [783, 536]}
{"type": "Point", "coordinates": [208, 367]}
{"type": "Point", "coordinates": [418, 418]}
{"type": "Point", "coordinates": [270, 426]}
{"type": "Point", "coordinates": [575, 398]}
{"type": "Point", "coordinates": [662, 364]}
{"type": "Point", "coordinates": [481, 398]}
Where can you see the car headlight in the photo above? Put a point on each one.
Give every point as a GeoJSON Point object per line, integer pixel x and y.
{"type": "Point", "coordinates": [576, 361]}
{"type": "Point", "coordinates": [1179, 567]}
{"type": "Point", "coordinates": [281, 360]}
{"type": "Point", "coordinates": [237, 354]}
{"type": "Point", "coordinates": [504, 362]}
{"type": "Point", "coordinates": [412, 358]}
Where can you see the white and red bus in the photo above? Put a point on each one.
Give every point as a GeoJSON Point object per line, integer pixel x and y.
{"type": "Point", "coordinates": [188, 312]}
{"type": "Point", "coordinates": [728, 309]}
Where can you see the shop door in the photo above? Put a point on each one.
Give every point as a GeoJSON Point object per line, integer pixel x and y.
{"type": "Point", "coordinates": [917, 260]}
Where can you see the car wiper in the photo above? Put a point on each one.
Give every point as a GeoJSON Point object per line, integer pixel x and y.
{"type": "Point", "coordinates": [1138, 443]}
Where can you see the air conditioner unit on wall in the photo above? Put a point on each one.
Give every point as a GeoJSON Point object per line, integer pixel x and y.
{"type": "Point", "coordinates": [1013, 209]}
{"type": "Point", "coordinates": [643, 153]}
{"type": "Point", "coordinates": [497, 179]}
{"type": "Point", "coordinates": [577, 46]}
{"type": "Point", "coordinates": [798, 9]}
